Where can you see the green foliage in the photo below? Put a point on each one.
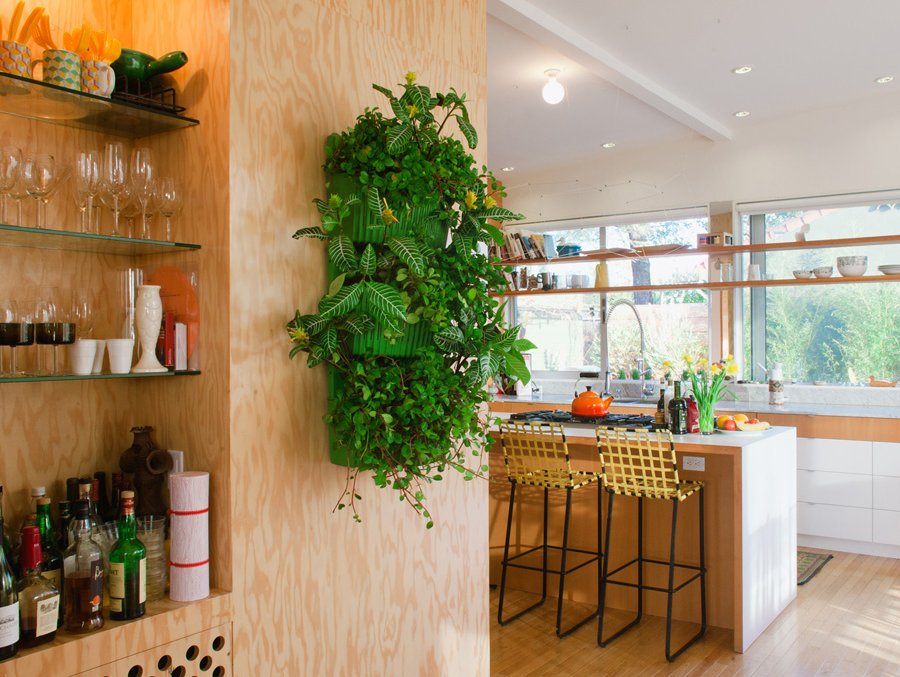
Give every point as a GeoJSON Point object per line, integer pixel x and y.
{"type": "Point", "coordinates": [407, 420]}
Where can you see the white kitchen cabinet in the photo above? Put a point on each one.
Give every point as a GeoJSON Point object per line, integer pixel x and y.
{"type": "Point", "coordinates": [846, 456]}
{"type": "Point", "coordinates": [886, 493]}
{"type": "Point", "coordinates": [834, 488]}
{"type": "Point", "coordinates": [834, 521]}
{"type": "Point", "coordinates": [886, 458]}
{"type": "Point", "coordinates": [886, 526]}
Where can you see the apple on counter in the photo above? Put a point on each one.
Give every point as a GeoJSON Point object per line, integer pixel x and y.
{"type": "Point", "coordinates": [740, 422]}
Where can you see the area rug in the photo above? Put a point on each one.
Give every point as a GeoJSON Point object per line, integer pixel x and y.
{"type": "Point", "coordinates": [809, 564]}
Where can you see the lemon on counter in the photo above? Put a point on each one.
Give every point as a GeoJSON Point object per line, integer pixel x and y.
{"type": "Point", "coordinates": [740, 418]}
{"type": "Point", "coordinates": [720, 422]}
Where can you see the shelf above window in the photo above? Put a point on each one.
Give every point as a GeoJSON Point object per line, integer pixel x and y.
{"type": "Point", "coordinates": [94, 377]}
{"type": "Point", "coordinates": [38, 238]}
{"type": "Point", "coordinates": [712, 286]}
{"type": "Point", "coordinates": [39, 100]}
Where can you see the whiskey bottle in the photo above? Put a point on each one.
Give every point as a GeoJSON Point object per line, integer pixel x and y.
{"type": "Point", "coordinates": [51, 555]}
{"type": "Point", "coordinates": [38, 597]}
{"type": "Point", "coordinates": [678, 412]}
{"type": "Point", "coordinates": [127, 567]}
{"type": "Point", "coordinates": [83, 571]}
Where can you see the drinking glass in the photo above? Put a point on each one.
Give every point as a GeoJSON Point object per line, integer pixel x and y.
{"type": "Point", "coordinates": [148, 209]}
{"type": "Point", "coordinates": [26, 336]}
{"type": "Point", "coordinates": [87, 184]}
{"type": "Point", "coordinates": [170, 198]}
{"type": "Point", "coordinates": [18, 193]}
{"type": "Point", "coordinates": [142, 180]}
{"type": "Point", "coordinates": [130, 212]}
{"type": "Point", "coordinates": [10, 168]}
{"type": "Point", "coordinates": [9, 328]}
{"type": "Point", "coordinates": [115, 179]}
{"type": "Point", "coordinates": [41, 175]}
{"type": "Point", "coordinates": [45, 322]}
{"type": "Point", "coordinates": [67, 326]}
{"type": "Point", "coordinates": [82, 313]}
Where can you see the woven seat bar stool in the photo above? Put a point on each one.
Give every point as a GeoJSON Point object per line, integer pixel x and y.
{"type": "Point", "coordinates": [536, 455]}
{"type": "Point", "coordinates": [642, 463]}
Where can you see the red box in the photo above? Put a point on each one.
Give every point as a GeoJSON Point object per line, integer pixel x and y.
{"type": "Point", "coordinates": [165, 344]}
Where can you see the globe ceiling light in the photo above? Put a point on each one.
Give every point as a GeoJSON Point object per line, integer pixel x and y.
{"type": "Point", "coordinates": [553, 92]}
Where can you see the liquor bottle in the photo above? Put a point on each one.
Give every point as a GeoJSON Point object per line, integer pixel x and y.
{"type": "Point", "coordinates": [72, 490]}
{"type": "Point", "coordinates": [85, 491]}
{"type": "Point", "coordinates": [678, 412]}
{"type": "Point", "coordinates": [64, 537]}
{"type": "Point", "coordinates": [117, 480]}
{"type": "Point", "coordinates": [660, 416]}
{"type": "Point", "coordinates": [127, 567]}
{"type": "Point", "coordinates": [7, 548]}
{"type": "Point", "coordinates": [103, 507]}
{"type": "Point", "coordinates": [9, 608]}
{"type": "Point", "coordinates": [96, 507]}
{"type": "Point", "coordinates": [83, 570]}
{"type": "Point", "coordinates": [29, 521]}
{"type": "Point", "coordinates": [38, 597]}
{"type": "Point", "coordinates": [51, 555]}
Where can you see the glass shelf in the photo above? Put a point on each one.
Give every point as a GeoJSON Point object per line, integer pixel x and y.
{"type": "Point", "coordinates": [39, 100]}
{"type": "Point", "coordinates": [94, 377]}
{"type": "Point", "coordinates": [38, 238]}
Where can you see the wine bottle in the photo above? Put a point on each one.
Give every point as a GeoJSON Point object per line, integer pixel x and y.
{"type": "Point", "coordinates": [127, 567]}
{"type": "Point", "coordinates": [9, 608]}
{"type": "Point", "coordinates": [678, 412]}
{"type": "Point", "coordinates": [29, 521]}
{"type": "Point", "coordinates": [103, 504]}
{"type": "Point", "coordinates": [64, 537]}
{"type": "Point", "coordinates": [660, 417]}
{"type": "Point", "coordinates": [7, 547]}
{"type": "Point", "coordinates": [51, 555]}
{"type": "Point", "coordinates": [38, 597]}
{"type": "Point", "coordinates": [72, 490]}
{"type": "Point", "coordinates": [118, 479]}
{"type": "Point", "coordinates": [83, 570]}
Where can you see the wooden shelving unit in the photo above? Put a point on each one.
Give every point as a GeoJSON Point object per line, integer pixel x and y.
{"type": "Point", "coordinates": [718, 250]}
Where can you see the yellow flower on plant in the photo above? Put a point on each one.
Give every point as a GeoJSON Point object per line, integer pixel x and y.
{"type": "Point", "coordinates": [732, 368]}
{"type": "Point", "coordinates": [687, 359]}
{"type": "Point", "coordinates": [413, 110]}
{"type": "Point", "coordinates": [702, 362]}
{"type": "Point", "coordinates": [299, 335]}
{"type": "Point", "coordinates": [410, 77]}
{"type": "Point", "coordinates": [470, 199]}
{"type": "Point", "coordinates": [388, 214]}
{"type": "Point", "coordinates": [490, 202]}
{"type": "Point", "coordinates": [715, 369]}
{"type": "Point", "coordinates": [730, 358]}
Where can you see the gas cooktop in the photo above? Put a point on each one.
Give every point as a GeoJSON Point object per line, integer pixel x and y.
{"type": "Point", "coordinates": [632, 421]}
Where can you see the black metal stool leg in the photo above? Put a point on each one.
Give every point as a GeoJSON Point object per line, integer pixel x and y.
{"type": "Point", "coordinates": [671, 592]}
{"type": "Point", "coordinates": [562, 574]}
{"type": "Point", "coordinates": [603, 580]}
{"type": "Point", "coordinates": [512, 497]}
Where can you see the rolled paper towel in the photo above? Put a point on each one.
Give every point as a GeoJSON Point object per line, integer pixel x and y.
{"type": "Point", "coordinates": [189, 554]}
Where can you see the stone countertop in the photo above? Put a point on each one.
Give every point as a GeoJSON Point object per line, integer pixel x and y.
{"type": "Point", "coordinates": [548, 401]}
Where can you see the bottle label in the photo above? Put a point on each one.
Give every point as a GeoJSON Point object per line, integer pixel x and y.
{"type": "Point", "coordinates": [116, 581]}
{"type": "Point", "coordinates": [142, 580]}
{"type": "Point", "coordinates": [116, 604]}
{"type": "Point", "coordinates": [47, 615]}
{"type": "Point", "coordinates": [96, 585]}
{"type": "Point", "coordinates": [52, 575]}
{"type": "Point", "coordinates": [9, 624]}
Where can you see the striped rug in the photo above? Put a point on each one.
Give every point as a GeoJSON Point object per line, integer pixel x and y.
{"type": "Point", "coordinates": [809, 564]}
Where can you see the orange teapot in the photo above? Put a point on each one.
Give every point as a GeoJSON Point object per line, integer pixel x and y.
{"type": "Point", "coordinates": [590, 403]}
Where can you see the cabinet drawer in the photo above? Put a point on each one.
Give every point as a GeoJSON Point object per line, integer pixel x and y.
{"type": "Point", "coordinates": [886, 526]}
{"type": "Point", "coordinates": [834, 521]}
{"type": "Point", "coordinates": [834, 488]}
{"type": "Point", "coordinates": [851, 456]}
{"type": "Point", "coordinates": [886, 493]}
{"type": "Point", "coordinates": [886, 458]}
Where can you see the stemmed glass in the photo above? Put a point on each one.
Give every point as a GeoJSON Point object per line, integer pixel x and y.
{"type": "Point", "coordinates": [45, 322]}
{"type": "Point", "coordinates": [10, 167]}
{"type": "Point", "coordinates": [18, 193]}
{"type": "Point", "coordinates": [9, 328]}
{"type": "Point", "coordinates": [41, 175]}
{"type": "Point", "coordinates": [115, 179]}
{"type": "Point", "coordinates": [142, 175]}
{"type": "Point", "coordinates": [87, 185]}
{"type": "Point", "coordinates": [170, 199]}
{"type": "Point", "coordinates": [82, 313]}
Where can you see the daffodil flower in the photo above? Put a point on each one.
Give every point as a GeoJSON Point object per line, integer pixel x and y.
{"type": "Point", "coordinates": [388, 214]}
{"type": "Point", "coordinates": [703, 362]}
{"type": "Point", "coordinates": [470, 199]}
{"type": "Point", "coordinates": [687, 359]}
{"type": "Point", "coordinates": [489, 202]}
{"type": "Point", "coordinates": [732, 368]}
{"type": "Point", "coordinates": [410, 77]}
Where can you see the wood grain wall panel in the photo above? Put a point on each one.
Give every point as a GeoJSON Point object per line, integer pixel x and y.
{"type": "Point", "coordinates": [322, 594]}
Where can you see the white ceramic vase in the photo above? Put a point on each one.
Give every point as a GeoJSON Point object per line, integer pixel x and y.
{"type": "Point", "coordinates": [147, 319]}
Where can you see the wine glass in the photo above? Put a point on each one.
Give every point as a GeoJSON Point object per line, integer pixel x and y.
{"type": "Point", "coordinates": [130, 212]}
{"type": "Point", "coordinates": [170, 198]}
{"type": "Point", "coordinates": [9, 328]}
{"type": "Point", "coordinates": [66, 327]}
{"type": "Point", "coordinates": [87, 184]}
{"type": "Point", "coordinates": [82, 313]}
{"type": "Point", "coordinates": [41, 175]}
{"type": "Point", "coordinates": [10, 168]}
{"type": "Point", "coordinates": [115, 179]}
{"type": "Point", "coordinates": [149, 208]}
{"type": "Point", "coordinates": [45, 322]}
{"type": "Point", "coordinates": [18, 193]}
{"type": "Point", "coordinates": [142, 180]}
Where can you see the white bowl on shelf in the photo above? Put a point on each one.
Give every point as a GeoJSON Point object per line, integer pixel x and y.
{"type": "Point", "coordinates": [852, 266]}
{"type": "Point", "coordinates": [823, 271]}
{"type": "Point", "coordinates": [803, 274]}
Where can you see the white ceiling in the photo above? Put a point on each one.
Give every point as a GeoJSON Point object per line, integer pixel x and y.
{"type": "Point", "coordinates": [640, 72]}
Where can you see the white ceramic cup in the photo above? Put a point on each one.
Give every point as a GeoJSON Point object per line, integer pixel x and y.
{"type": "Point", "coordinates": [121, 353]}
{"type": "Point", "coordinates": [82, 355]}
{"type": "Point", "coordinates": [98, 356]}
{"type": "Point", "coordinates": [753, 271]}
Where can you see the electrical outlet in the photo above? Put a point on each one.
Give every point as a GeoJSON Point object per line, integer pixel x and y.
{"type": "Point", "coordinates": [697, 463]}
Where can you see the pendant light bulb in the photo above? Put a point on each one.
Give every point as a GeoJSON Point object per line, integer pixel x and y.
{"type": "Point", "coordinates": [553, 92]}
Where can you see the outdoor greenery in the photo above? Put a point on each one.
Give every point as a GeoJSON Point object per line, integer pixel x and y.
{"type": "Point", "coordinates": [408, 327]}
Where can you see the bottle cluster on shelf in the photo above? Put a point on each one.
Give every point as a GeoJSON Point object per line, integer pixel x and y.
{"type": "Point", "coordinates": [60, 574]}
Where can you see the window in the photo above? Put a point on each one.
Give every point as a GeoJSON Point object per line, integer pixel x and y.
{"type": "Point", "coordinates": [834, 333]}
{"type": "Point", "coordinates": [568, 329]}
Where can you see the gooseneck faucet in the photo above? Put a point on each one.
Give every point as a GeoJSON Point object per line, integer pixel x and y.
{"type": "Point", "coordinates": [642, 360]}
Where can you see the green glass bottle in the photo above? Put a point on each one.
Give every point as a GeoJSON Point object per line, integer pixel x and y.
{"type": "Point", "coordinates": [9, 608]}
{"type": "Point", "coordinates": [51, 555]}
{"type": "Point", "coordinates": [7, 548]}
{"type": "Point", "coordinates": [127, 567]}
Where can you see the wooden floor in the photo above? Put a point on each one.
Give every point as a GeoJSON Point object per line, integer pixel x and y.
{"type": "Point", "coordinates": [845, 622]}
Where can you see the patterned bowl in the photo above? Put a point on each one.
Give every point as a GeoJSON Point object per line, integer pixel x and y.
{"type": "Point", "coordinates": [802, 274]}
{"type": "Point", "coordinates": [852, 266]}
{"type": "Point", "coordinates": [823, 271]}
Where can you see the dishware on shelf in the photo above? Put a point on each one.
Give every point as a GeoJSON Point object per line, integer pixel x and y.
{"type": "Point", "coordinates": [115, 179]}
{"type": "Point", "coordinates": [142, 183]}
{"type": "Point", "coordinates": [66, 326]}
{"type": "Point", "coordinates": [147, 318]}
{"type": "Point", "coordinates": [121, 353]}
{"type": "Point", "coordinates": [151, 530]}
{"type": "Point", "coordinates": [753, 271]}
{"type": "Point", "coordinates": [60, 67]}
{"type": "Point", "coordinates": [889, 269]}
{"type": "Point", "coordinates": [10, 168]}
{"type": "Point", "coordinates": [823, 271]}
{"type": "Point", "coordinates": [852, 266]}
{"type": "Point", "coordinates": [81, 355]}
{"type": "Point", "coordinates": [15, 58]}
{"type": "Point", "coordinates": [97, 78]}
{"type": "Point", "coordinates": [41, 175]}
{"type": "Point", "coordinates": [19, 193]}
{"type": "Point", "coordinates": [82, 312]}
{"type": "Point", "coordinates": [97, 367]}
{"type": "Point", "coordinates": [170, 200]}
{"type": "Point", "coordinates": [45, 322]}
{"type": "Point", "coordinates": [87, 186]}
{"type": "Point", "coordinates": [803, 274]}
{"type": "Point", "coordinates": [9, 330]}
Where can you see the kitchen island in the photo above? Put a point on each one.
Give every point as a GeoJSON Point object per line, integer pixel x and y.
{"type": "Point", "coordinates": [750, 528]}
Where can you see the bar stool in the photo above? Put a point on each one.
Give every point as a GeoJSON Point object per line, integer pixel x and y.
{"type": "Point", "coordinates": [536, 455]}
{"type": "Point", "coordinates": [642, 463]}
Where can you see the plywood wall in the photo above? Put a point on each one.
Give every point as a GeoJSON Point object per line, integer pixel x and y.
{"type": "Point", "coordinates": [321, 595]}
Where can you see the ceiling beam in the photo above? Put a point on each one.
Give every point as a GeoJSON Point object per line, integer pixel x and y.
{"type": "Point", "coordinates": [547, 30]}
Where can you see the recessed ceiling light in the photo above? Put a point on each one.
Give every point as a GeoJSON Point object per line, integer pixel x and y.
{"type": "Point", "coordinates": [508, 169]}
{"type": "Point", "coordinates": [742, 114]}
{"type": "Point", "coordinates": [609, 145]}
{"type": "Point", "coordinates": [740, 70]}
{"type": "Point", "coordinates": [883, 81]}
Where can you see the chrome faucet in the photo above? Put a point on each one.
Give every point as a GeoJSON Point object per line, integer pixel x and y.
{"type": "Point", "coordinates": [643, 358]}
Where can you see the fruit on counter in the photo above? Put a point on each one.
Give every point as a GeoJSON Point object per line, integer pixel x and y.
{"type": "Point", "coordinates": [753, 420]}
{"type": "Point", "coordinates": [740, 417]}
{"type": "Point", "coordinates": [748, 427]}
{"type": "Point", "coordinates": [730, 424]}
{"type": "Point", "coordinates": [720, 422]}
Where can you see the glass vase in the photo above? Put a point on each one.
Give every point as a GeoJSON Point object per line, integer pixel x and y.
{"type": "Point", "coordinates": [707, 412]}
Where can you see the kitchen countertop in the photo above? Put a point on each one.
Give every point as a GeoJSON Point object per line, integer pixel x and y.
{"type": "Point", "coordinates": [795, 408]}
